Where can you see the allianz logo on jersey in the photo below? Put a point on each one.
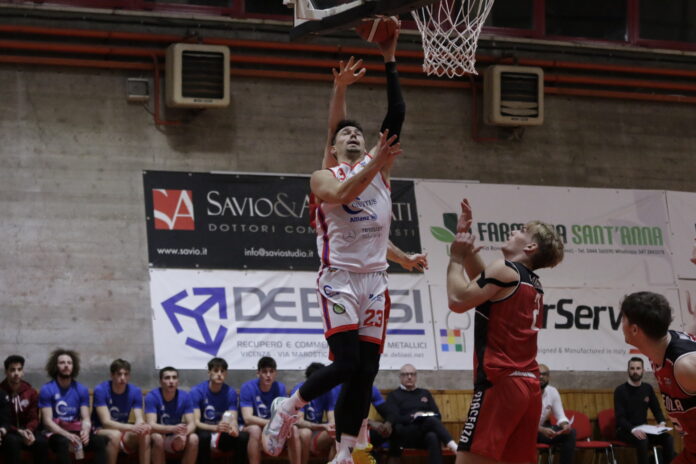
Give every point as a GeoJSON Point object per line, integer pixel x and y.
{"type": "Point", "coordinates": [357, 206]}
{"type": "Point", "coordinates": [173, 209]}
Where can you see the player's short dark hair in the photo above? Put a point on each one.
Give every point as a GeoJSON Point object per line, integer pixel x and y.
{"type": "Point", "coordinates": [648, 310]}
{"type": "Point", "coordinates": [13, 359]}
{"type": "Point", "coordinates": [311, 369]}
{"type": "Point", "coordinates": [635, 359]}
{"type": "Point", "coordinates": [265, 362]}
{"type": "Point", "coordinates": [346, 123]}
{"type": "Point", "coordinates": [167, 369]}
{"type": "Point", "coordinates": [119, 364]}
{"type": "Point", "coordinates": [217, 363]}
{"type": "Point", "coordinates": [52, 363]}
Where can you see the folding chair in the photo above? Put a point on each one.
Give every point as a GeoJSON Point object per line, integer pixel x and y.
{"type": "Point", "coordinates": [607, 428]}
{"type": "Point", "coordinates": [543, 448]}
{"type": "Point", "coordinates": [583, 435]}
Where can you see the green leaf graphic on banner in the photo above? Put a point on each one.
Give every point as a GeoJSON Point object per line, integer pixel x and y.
{"type": "Point", "coordinates": [450, 221]}
{"type": "Point", "coordinates": [441, 234]}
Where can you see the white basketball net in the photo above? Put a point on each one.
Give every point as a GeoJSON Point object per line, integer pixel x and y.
{"type": "Point", "coordinates": [450, 30]}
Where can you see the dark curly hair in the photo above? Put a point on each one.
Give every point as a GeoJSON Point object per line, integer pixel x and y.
{"type": "Point", "coordinates": [52, 363]}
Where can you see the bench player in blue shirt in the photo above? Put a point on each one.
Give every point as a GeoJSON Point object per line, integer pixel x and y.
{"type": "Point", "coordinates": [114, 400]}
{"type": "Point", "coordinates": [169, 412]}
{"type": "Point", "coordinates": [64, 405]}
{"type": "Point", "coordinates": [215, 413]}
{"type": "Point", "coordinates": [255, 401]}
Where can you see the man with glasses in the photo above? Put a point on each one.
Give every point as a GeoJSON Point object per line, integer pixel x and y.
{"type": "Point", "coordinates": [416, 419]}
{"type": "Point", "coordinates": [561, 434]}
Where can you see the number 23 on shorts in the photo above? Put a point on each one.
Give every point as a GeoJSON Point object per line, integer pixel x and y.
{"type": "Point", "coordinates": [375, 318]}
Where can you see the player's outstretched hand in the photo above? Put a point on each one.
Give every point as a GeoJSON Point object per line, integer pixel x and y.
{"type": "Point", "coordinates": [464, 246]}
{"type": "Point", "coordinates": [388, 47]}
{"type": "Point", "coordinates": [349, 73]}
{"type": "Point", "coordinates": [416, 261]}
{"type": "Point", "coordinates": [465, 217]}
{"type": "Point", "coordinates": [387, 148]}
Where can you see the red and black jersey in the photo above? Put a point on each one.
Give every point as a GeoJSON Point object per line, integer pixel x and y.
{"type": "Point", "coordinates": [680, 405]}
{"type": "Point", "coordinates": [505, 331]}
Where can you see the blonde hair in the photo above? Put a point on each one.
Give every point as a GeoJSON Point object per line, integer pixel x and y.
{"type": "Point", "coordinates": [550, 246]}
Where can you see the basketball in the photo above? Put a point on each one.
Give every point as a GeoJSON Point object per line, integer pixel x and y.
{"type": "Point", "coordinates": [377, 30]}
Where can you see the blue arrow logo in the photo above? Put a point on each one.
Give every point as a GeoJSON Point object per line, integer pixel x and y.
{"type": "Point", "coordinates": [216, 296]}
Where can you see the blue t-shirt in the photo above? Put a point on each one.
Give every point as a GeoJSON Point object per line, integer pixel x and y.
{"type": "Point", "coordinates": [315, 409]}
{"type": "Point", "coordinates": [250, 395]}
{"type": "Point", "coordinates": [119, 406]}
{"type": "Point", "coordinates": [168, 412]}
{"type": "Point", "coordinates": [213, 405]}
{"type": "Point", "coordinates": [376, 399]}
{"type": "Point", "coordinates": [65, 403]}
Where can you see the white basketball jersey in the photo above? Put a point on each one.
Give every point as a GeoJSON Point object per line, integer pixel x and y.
{"type": "Point", "coordinates": [354, 237]}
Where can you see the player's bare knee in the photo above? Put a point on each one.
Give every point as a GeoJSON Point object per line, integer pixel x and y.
{"type": "Point", "coordinates": [254, 432]}
{"type": "Point", "coordinates": [157, 441]}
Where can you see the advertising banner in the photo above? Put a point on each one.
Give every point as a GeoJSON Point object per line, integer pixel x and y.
{"type": "Point", "coordinates": [687, 297]}
{"type": "Point", "coordinates": [244, 315]}
{"type": "Point", "coordinates": [221, 247]}
{"type": "Point", "coordinates": [682, 223]}
{"type": "Point", "coordinates": [613, 238]}
{"type": "Point", "coordinates": [246, 221]}
{"type": "Point", "coordinates": [581, 330]}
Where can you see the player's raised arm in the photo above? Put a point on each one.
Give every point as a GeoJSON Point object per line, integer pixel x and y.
{"type": "Point", "coordinates": [473, 264]}
{"type": "Point", "coordinates": [396, 106]}
{"type": "Point", "coordinates": [346, 75]}
{"type": "Point", "coordinates": [482, 283]}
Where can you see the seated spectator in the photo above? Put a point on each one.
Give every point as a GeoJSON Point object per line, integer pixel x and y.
{"type": "Point", "coordinates": [561, 434]}
{"type": "Point", "coordinates": [631, 402]}
{"type": "Point", "coordinates": [416, 419]}
{"type": "Point", "coordinates": [23, 415]}
{"type": "Point", "coordinates": [215, 414]}
{"type": "Point", "coordinates": [64, 404]}
{"type": "Point", "coordinates": [255, 400]}
{"type": "Point", "coordinates": [114, 400]}
{"type": "Point", "coordinates": [169, 412]}
{"type": "Point", "coordinates": [317, 436]}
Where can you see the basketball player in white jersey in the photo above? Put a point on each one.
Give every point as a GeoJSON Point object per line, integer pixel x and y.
{"type": "Point", "coordinates": [352, 222]}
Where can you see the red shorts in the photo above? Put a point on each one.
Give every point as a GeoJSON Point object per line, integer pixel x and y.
{"type": "Point", "coordinates": [503, 420]}
{"type": "Point", "coordinates": [685, 457]}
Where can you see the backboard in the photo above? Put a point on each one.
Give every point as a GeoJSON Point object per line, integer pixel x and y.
{"type": "Point", "coordinates": [317, 17]}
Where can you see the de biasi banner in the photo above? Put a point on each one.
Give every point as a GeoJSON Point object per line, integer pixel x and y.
{"type": "Point", "coordinates": [244, 315]}
{"type": "Point", "coordinates": [613, 238]}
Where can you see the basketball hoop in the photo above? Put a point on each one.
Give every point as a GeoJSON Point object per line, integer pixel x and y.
{"type": "Point", "coordinates": [450, 30]}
